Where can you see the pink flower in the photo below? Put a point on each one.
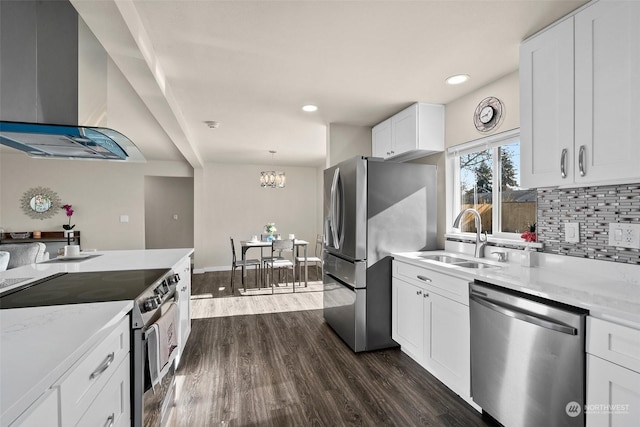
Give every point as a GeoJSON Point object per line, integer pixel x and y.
{"type": "Point", "coordinates": [529, 236]}
{"type": "Point", "coordinates": [69, 211]}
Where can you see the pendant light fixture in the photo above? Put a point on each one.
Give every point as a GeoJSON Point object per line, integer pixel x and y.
{"type": "Point", "coordinates": [272, 178]}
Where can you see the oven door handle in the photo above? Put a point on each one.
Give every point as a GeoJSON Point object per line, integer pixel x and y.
{"type": "Point", "coordinates": [514, 313]}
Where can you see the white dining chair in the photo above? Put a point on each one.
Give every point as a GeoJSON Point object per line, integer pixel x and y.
{"type": "Point", "coordinates": [315, 259]}
{"type": "Point", "coordinates": [255, 263]}
{"type": "Point", "coordinates": [277, 260]}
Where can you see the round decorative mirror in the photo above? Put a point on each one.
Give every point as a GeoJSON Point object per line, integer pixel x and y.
{"type": "Point", "coordinates": [40, 202]}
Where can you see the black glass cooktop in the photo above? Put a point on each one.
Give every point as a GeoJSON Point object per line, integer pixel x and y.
{"type": "Point", "coordinates": [77, 288]}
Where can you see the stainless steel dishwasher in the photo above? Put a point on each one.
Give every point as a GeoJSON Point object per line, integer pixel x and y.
{"type": "Point", "coordinates": [527, 358]}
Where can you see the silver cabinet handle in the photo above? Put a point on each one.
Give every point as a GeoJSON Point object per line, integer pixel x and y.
{"type": "Point", "coordinates": [581, 160]}
{"type": "Point", "coordinates": [108, 361]}
{"type": "Point", "coordinates": [425, 295]}
{"type": "Point", "coordinates": [418, 292]}
{"type": "Point", "coordinates": [423, 278]}
{"type": "Point", "coordinates": [110, 421]}
{"type": "Point", "coordinates": [563, 163]}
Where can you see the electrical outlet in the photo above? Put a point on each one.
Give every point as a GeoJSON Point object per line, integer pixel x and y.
{"type": "Point", "coordinates": [624, 235]}
{"type": "Point", "coordinates": [572, 232]}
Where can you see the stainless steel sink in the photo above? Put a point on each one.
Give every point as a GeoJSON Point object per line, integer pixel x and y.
{"type": "Point", "coordinates": [443, 258]}
{"type": "Point", "coordinates": [471, 264]}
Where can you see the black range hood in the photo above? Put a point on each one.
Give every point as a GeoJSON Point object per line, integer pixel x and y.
{"type": "Point", "coordinates": [53, 75]}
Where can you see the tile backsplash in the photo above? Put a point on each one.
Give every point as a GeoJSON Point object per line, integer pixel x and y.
{"type": "Point", "coordinates": [593, 208]}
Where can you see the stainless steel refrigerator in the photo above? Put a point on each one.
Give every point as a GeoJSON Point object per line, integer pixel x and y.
{"type": "Point", "coordinates": [372, 208]}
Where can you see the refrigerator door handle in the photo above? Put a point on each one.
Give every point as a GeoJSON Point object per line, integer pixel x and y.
{"type": "Point", "coordinates": [333, 214]}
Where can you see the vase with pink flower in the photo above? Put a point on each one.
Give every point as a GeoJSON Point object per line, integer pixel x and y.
{"type": "Point", "coordinates": [68, 227]}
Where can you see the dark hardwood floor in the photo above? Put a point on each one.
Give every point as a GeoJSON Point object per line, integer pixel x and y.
{"type": "Point", "coordinates": [291, 369]}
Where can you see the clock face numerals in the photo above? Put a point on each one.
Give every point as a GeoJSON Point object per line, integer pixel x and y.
{"type": "Point", "coordinates": [488, 114]}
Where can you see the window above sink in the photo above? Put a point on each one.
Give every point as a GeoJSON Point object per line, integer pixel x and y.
{"type": "Point", "coordinates": [486, 177]}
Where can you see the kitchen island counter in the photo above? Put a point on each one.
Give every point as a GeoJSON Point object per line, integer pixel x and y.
{"type": "Point", "coordinates": [39, 344]}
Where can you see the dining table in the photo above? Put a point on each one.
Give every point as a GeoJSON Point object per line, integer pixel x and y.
{"type": "Point", "coordinates": [297, 243]}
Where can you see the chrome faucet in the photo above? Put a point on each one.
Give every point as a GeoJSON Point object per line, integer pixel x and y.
{"type": "Point", "coordinates": [480, 242]}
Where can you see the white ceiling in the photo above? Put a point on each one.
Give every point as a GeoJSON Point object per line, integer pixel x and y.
{"type": "Point", "coordinates": [251, 65]}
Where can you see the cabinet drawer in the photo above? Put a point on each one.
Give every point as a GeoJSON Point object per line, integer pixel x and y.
{"type": "Point", "coordinates": [89, 376]}
{"type": "Point", "coordinates": [113, 405]}
{"type": "Point", "coordinates": [44, 412]}
{"type": "Point", "coordinates": [615, 343]}
{"type": "Point", "coordinates": [442, 284]}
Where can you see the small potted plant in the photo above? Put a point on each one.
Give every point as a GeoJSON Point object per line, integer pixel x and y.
{"type": "Point", "coordinates": [530, 234]}
{"type": "Point", "coordinates": [68, 228]}
{"type": "Point", "coordinates": [270, 228]}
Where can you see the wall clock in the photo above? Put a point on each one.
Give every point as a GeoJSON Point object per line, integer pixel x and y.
{"type": "Point", "coordinates": [488, 114]}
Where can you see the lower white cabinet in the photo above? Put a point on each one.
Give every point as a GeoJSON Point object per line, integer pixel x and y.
{"type": "Point", "coordinates": [430, 321]}
{"type": "Point", "coordinates": [183, 290]}
{"type": "Point", "coordinates": [112, 406]}
{"type": "Point", "coordinates": [613, 374]}
{"type": "Point", "coordinates": [44, 412]}
{"type": "Point", "coordinates": [82, 385]}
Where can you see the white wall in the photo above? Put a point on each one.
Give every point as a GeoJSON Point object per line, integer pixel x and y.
{"type": "Point", "coordinates": [168, 212]}
{"type": "Point", "coordinates": [231, 203]}
{"type": "Point", "coordinates": [347, 141]}
{"type": "Point", "coordinates": [459, 127]}
{"type": "Point", "coordinates": [100, 191]}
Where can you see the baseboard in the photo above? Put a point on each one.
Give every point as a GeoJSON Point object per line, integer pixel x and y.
{"type": "Point", "coordinates": [210, 269]}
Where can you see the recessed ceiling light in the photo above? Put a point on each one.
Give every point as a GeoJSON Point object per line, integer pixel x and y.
{"type": "Point", "coordinates": [309, 108]}
{"type": "Point", "coordinates": [457, 79]}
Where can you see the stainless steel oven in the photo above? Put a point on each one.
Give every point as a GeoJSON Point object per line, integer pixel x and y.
{"type": "Point", "coordinates": [151, 403]}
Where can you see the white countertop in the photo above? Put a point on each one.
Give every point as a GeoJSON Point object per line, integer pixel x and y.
{"type": "Point", "coordinates": [38, 344]}
{"type": "Point", "coordinates": [607, 289]}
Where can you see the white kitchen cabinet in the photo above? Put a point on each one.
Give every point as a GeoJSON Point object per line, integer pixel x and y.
{"type": "Point", "coordinates": [414, 132]}
{"type": "Point", "coordinates": [112, 407]}
{"type": "Point", "coordinates": [85, 381]}
{"type": "Point", "coordinates": [546, 107]}
{"type": "Point", "coordinates": [43, 412]}
{"type": "Point", "coordinates": [430, 321]}
{"type": "Point", "coordinates": [381, 141]}
{"type": "Point", "coordinates": [408, 321]}
{"type": "Point", "coordinates": [578, 112]}
{"type": "Point", "coordinates": [183, 290]}
{"type": "Point", "coordinates": [607, 62]}
{"type": "Point", "coordinates": [613, 374]}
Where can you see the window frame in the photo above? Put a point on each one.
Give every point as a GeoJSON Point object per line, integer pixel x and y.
{"type": "Point", "coordinates": [493, 143]}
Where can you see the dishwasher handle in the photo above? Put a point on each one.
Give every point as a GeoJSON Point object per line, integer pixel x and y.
{"type": "Point", "coordinates": [522, 315]}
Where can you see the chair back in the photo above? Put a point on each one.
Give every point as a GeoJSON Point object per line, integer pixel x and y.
{"type": "Point", "coordinates": [319, 243]}
{"type": "Point", "coordinates": [281, 246]}
{"type": "Point", "coordinates": [233, 252]}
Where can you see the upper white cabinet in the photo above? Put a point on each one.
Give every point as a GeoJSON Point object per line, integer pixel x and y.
{"type": "Point", "coordinates": [414, 132]}
{"type": "Point", "coordinates": [546, 107]}
{"type": "Point", "coordinates": [607, 61]}
{"type": "Point", "coordinates": [578, 117]}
